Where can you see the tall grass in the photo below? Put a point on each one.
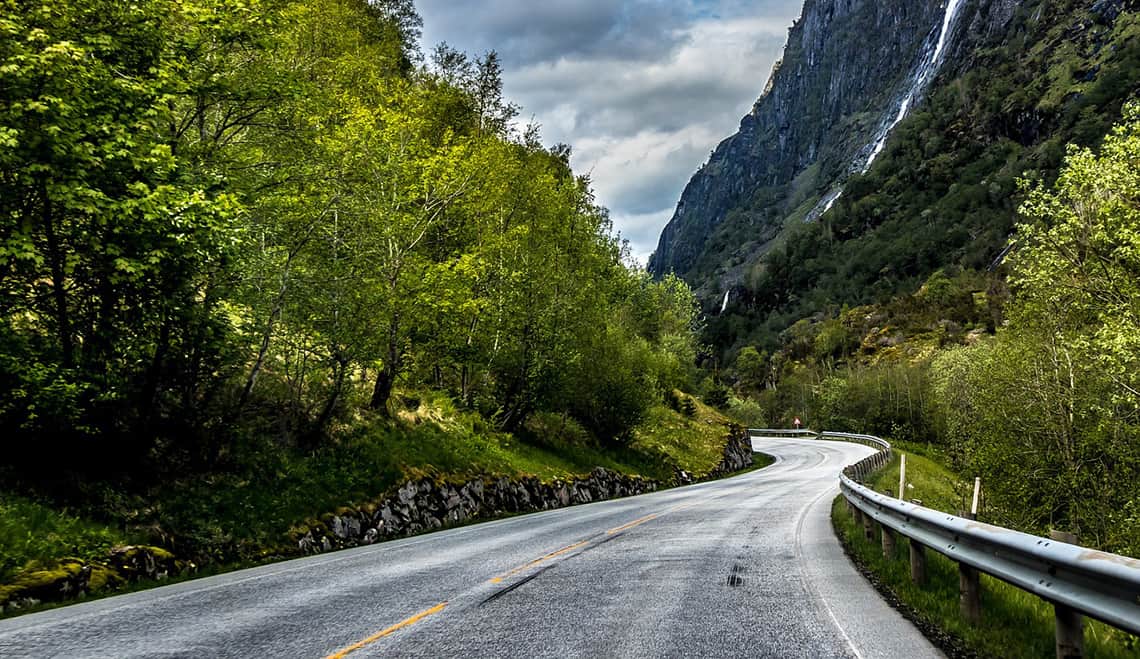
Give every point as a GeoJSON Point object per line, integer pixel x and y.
{"type": "Point", "coordinates": [34, 532]}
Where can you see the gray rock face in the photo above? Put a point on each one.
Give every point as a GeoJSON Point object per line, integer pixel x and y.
{"type": "Point", "coordinates": [846, 66]}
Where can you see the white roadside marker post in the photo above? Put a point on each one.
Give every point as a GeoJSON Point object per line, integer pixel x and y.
{"type": "Point", "coordinates": [902, 476]}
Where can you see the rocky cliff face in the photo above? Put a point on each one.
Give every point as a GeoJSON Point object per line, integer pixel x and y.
{"type": "Point", "coordinates": [848, 68]}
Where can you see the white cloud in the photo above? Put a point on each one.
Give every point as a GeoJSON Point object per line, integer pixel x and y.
{"type": "Point", "coordinates": [643, 90]}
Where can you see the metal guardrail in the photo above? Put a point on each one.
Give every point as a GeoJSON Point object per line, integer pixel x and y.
{"type": "Point", "coordinates": [1076, 580]}
{"type": "Point", "coordinates": [781, 432]}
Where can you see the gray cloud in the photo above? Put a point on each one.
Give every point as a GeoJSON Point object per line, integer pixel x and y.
{"type": "Point", "coordinates": [550, 30]}
{"type": "Point", "coordinates": [642, 89]}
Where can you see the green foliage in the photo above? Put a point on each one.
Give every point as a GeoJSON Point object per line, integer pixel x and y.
{"type": "Point", "coordinates": [259, 259]}
{"type": "Point", "coordinates": [751, 368]}
{"type": "Point", "coordinates": [33, 532]}
{"type": "Point", "coordinates": [223, 220]}
{"type": "Point", "coordinates": [715, 393]}
{"type": "Point", "coordinates": [108, 254]}
{"type": "Point", "coordinates": [692, 442]}
{"type": "Point", "coordinates": [1045, 410]}
{"type": "Point", "coordinates": [748, 412]}
{"type": "Point", "coordinates": [1081, 255]}
{"type": "Point", "coordinates": [1063, 372]}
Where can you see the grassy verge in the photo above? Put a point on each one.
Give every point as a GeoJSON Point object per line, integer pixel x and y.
{"type": "Point", "coordinates": [1015, 623]}
{"type": "Point", "coordinates": [240, 516]}
{"type": "Point", "coordinates": [760, 461]}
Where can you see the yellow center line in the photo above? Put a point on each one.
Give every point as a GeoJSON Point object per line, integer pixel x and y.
{"type": "Point", "coordinates": [500, 578]}
{"type": "Point", "coordinates": [379, 635]}
{"type": "Point", "coordinates": [632, 524]}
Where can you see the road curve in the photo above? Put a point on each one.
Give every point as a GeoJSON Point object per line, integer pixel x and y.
{"type": "Point", "coordinates": [743, 566]}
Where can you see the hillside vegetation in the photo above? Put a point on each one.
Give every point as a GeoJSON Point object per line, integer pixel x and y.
{"type": "Point", "coordinates": [1028, 377]}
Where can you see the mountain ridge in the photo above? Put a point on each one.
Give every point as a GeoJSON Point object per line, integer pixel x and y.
{"type": "Point", "coordinates": [815, 85]}
{"type": "Point", "coordinates": [1019, 80]}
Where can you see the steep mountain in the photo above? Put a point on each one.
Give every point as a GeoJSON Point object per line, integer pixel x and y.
{"type": "Point", "coordinates": [824, 102]}
{"type": "Point", "coordinates": [888, 144]}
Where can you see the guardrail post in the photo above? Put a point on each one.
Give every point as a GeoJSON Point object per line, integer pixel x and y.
{"type": "Point", "coordinates": [1070, 624]}
{"type": "Point", "coordinates": [970, 589]}
{"type": "Point", "coordinates": [868, 527]}
{"type": "Point", "coordinates": [888, 541]}
{"type": "Point", "coordinates": [887, 536]}
{"type": "Point", "coordinates": [970, 593]}
{"type": "Point", "coordinates": [917, 562]}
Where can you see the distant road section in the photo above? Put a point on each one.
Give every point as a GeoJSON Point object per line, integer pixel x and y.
{"type": "Point", "coordinates": [743, 566]}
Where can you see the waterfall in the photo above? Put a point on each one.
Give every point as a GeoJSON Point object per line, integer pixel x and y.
{"type": "Point", "coordinates": [921, 78]}
{"type": "Point", "coordinates": [831, 199]}
{"type": "Point", "coordinates": [724, 305]}
{"type": "Point", "coordinates": [824, 205]}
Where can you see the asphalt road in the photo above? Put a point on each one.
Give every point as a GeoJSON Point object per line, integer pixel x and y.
{"type": "Point", "coordinates": [746, 566]}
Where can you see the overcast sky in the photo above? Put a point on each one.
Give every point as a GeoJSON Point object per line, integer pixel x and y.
{"type": "Point", "coordinates": [643, 90]}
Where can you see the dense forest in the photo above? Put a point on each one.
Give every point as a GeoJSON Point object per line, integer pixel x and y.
{"type": "Point", "coordinates": [1026, 376]}
{"type": "Point", "coordinates": [231, 221]}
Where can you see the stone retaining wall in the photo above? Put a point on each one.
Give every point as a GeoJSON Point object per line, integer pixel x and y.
{"type": "Point", "coordinates": [426, 505]}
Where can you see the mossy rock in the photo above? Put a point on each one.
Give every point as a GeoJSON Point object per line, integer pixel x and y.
{"type": "Point", "coordinates": [137, 562]}
{"type": "Point", "coordinates": [103, 577]}
{"type": "Point", "coordinates": [49, 582]}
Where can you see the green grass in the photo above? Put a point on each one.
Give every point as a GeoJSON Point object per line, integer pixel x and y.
{"type": "Point", "coordinates": [927, 480]}
{"type": "Point", "coordinates": [32, 532]}
{"type": "Point", "coordinates": [761, 460]}
{"type": "Point", "coordinates": [695, 444]}
{"type": "Point", "coordinates": [1015, 623]}
{"type": "Point", "coordinates": [241, 516]}
{"type": "Point", "coordinates": [233, 517]}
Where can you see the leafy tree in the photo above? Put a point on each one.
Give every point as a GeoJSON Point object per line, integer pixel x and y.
{"type": "Point", "coordinates": [752, 367]}
{"type": "Point", "coordinates": [1080, 256]}
{"type": "Point", "coordinates": [1047, 412]}
{"type": "Point", "coordinates": [106, 253]}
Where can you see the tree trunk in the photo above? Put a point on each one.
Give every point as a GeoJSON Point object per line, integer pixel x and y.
{"type": "Point", "coordinates": [382, 390]}
{"type": "Point", "coordinates": [340, 367]}
{"type": "Point", "coordinates": [58, 282]}
{"type": "Point", "coordinates": [149, 397]}
{"type": "Point", "coordinates": [263, 347]}
{"type": "Point", "coordinates": [386, 380]}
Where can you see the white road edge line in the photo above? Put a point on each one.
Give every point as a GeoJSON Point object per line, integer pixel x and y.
{"type": "Point", "coordinates": [808, 580]}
